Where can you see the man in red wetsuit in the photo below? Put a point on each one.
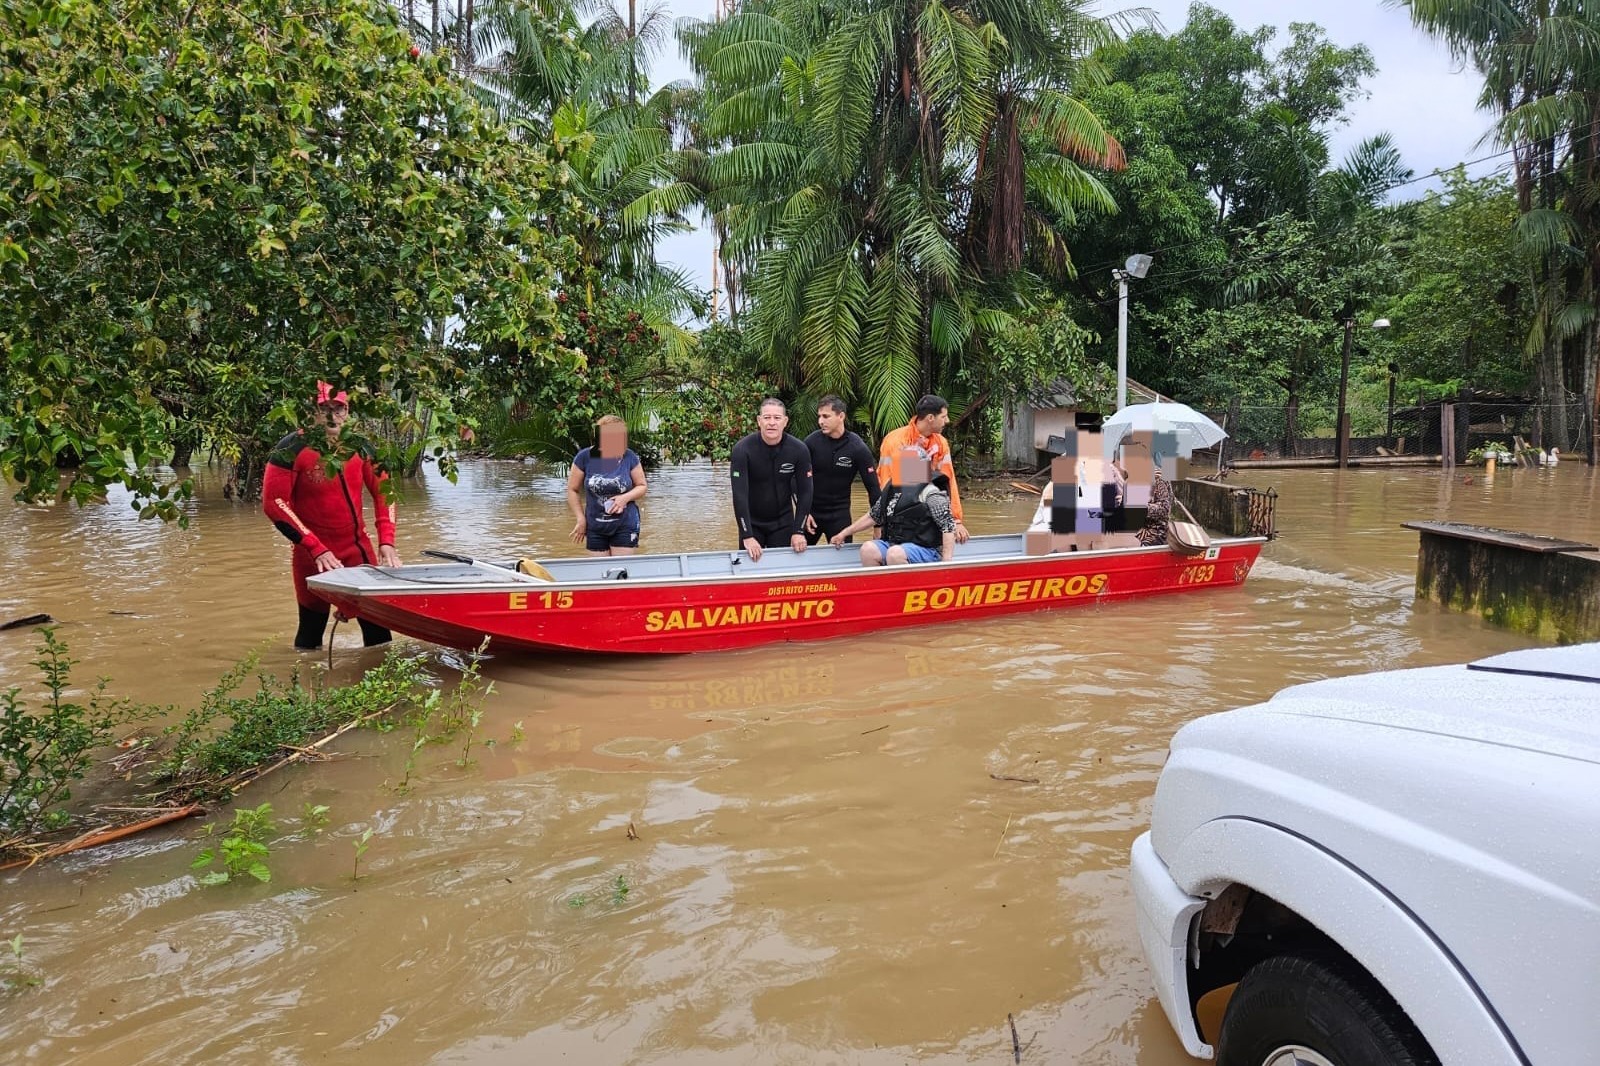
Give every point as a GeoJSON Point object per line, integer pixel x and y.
{"type": "Point", "coordinates": [322, 515]}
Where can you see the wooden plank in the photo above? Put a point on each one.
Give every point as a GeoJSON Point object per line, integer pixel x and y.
{"type": "Point", "coordinates": [1503, 538]}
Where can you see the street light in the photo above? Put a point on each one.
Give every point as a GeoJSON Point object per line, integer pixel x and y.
{"type": "Point", "coordinates": [1341, 428]}
{"type": "Point", "coordinates": [1137, 266]}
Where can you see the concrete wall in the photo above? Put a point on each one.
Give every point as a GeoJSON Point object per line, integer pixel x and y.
{"type": "Point", "coordinates": [1220, 508]}
{"type": "Point", "coordinates": [1554, 596]}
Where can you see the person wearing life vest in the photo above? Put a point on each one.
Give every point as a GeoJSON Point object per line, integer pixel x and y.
{"type": "Point", "coordinates": [321, 514]}
{"type": "Point", "coordinates": [915, 517]}
{"type": "Point", "coordinates": [925, 432]}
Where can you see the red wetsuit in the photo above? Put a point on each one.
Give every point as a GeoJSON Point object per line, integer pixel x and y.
{"type": "Point", "coordinates": [318, 513]}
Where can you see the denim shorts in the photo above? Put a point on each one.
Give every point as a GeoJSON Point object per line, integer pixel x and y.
{"type": "Point", "coordinates": [599, 540]}
{"type": "Point", "coordinates": [915, 553]}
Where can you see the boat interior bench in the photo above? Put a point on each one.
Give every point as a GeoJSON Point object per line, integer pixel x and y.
{"type": "Point", "coordinates": [779, 562]}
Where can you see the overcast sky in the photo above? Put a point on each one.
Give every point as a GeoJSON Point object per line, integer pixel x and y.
{"type": "Point", "coordinates": [1420, 95]}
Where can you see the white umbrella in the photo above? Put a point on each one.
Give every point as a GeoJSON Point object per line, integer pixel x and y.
{"type": "Point", "coordinates": [1191, 428]}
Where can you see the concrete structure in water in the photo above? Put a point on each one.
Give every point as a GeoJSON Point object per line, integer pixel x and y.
{"type": "Point", "coordinates": [1232, 510]}
{"type": "Point", "coordinates": [1543, 586]}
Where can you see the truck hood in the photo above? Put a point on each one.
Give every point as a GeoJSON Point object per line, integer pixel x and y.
{"type": "Point", "coordinates": [1544, 700]}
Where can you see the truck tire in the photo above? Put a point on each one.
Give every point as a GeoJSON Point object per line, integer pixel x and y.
{"type": "Point", "coordinates": [1316, 1010]}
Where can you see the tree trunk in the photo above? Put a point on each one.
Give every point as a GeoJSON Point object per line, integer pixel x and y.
{"type": "Point", "coordinates": [1591, 355]}
{"type": "Point", "coordinates": [244, 480]}
{"type": "Point", "coordinates": [1551, 395]}
{"type": "Point", "coordinates": [633, 54]}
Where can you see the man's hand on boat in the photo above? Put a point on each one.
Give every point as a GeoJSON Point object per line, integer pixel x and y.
{"type": "Point", "coordinates": [387, 556]}
{"type": "Point", "coordinates": [798, 542]}
{"type": "Point", "coordinates": [327, 561]}
{"type": "Point", "coordinates": [961, 533]}
{"type": "Point", "coordinates": [753, 546]}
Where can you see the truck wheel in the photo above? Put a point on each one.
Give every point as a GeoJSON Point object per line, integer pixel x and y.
{"type": "Point", "coordinates": [1314, 1010]}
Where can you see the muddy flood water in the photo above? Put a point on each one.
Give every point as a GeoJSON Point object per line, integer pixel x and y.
{"type": "Point", "coordinates": [827, 868]}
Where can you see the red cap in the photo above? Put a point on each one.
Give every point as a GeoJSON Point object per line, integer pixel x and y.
{"type": "Point", "coordinates": [326, 395]}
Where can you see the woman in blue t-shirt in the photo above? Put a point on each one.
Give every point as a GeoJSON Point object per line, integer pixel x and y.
{"type": "Point", "coordinates": [602, 491]}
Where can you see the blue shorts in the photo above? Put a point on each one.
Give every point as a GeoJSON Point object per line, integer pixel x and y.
{"type": "Point", "coordinates": [915, 553]}
{"type": "Point", "coordinates": [620, 536]}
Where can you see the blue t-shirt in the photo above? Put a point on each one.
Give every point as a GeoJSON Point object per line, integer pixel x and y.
{"type": "Point", "coordinates": [604, 477]}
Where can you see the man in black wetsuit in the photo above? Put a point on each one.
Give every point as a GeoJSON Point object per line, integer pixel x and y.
{"type": "Point", "coordinates": [771, 473]}
{"type": "Point", "coordinates": [838, 457]}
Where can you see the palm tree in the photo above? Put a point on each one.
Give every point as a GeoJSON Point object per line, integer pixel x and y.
{"type": "Point", "coordinates": [575, 75]}
{"type": "Point", "coordinates": [1542, 77]}
{"type": "Point", "coordinates": [892, 175]}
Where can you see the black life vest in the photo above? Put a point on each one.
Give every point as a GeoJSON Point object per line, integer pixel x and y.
{"type": "Point", "coordinates": [909, 520]}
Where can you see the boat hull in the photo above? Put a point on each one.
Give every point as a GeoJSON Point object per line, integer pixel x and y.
{"type": "Point", "coordinates": [741, 610]}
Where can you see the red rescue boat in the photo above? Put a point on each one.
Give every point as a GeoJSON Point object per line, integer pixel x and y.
{"type": "Point", "coordinates": [716, 601]}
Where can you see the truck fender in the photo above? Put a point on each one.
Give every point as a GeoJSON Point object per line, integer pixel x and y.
{"type": "Point", "coordinates": [1377, 930]}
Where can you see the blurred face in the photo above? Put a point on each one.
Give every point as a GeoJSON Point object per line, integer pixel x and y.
{"type": "Point", "coordinates": [332, 417]}
{"type": "Point", "coordinates": [613, 439]}
{"type": "Point", "coordinates": [928, 425]}
{"type": "Point", "coordinates": [915, 468]}
{"type": "Point", "coordinates": [1136, 459]}
{"type": "Point", "coordinates": [772, 421]}
{"type": "Point", "coordinates": [1090, 458]}
{"type": "Point", "coordinates": [830, 421]}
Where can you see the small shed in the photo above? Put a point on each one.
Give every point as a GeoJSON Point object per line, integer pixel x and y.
{"type": "Point", "coordinates": [1047, 411]}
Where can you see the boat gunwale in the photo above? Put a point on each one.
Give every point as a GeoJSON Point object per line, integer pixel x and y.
{"type": "Point", "coordinates": [403, 587]}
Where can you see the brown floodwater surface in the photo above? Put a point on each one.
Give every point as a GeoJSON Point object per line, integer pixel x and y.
{"type": "Point", "coordinates": [827, 869]}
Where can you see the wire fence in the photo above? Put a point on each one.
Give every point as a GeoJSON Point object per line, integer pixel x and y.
{"type": "Point", "coordinates": [1307, 431]}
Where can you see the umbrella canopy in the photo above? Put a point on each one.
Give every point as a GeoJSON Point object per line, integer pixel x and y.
{"type": "Point", "coordinates": [1191, 428]}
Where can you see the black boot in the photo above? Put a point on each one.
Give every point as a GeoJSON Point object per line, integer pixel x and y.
{"type": "Point", "coordinates": [313, 622]}
{"type": "Point", "coordinates": [373, 634]}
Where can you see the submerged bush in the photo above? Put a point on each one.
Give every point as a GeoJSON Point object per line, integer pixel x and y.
{"type": "Point", "coordinates": [232, 732]}
{"type": "Point", "coordinates": [43, 751]}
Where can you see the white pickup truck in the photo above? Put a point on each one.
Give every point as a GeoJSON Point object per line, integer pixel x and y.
{"type": "Point", "coordinates": [1395, 868]}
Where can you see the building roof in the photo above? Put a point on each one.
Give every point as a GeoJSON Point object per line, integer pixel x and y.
{"type": "Point", "coordinates": [1060, 393]}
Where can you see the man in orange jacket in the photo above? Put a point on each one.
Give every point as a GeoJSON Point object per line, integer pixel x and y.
{"type": "Point", "coordinates": [322, 515]}
{"type": "Point", "coordinates": [925, 433]}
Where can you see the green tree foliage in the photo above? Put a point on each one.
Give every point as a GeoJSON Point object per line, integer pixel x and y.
{"type": "Point", "coordinates": [205, 207]}
{"type": "Point", "coordinates": [717, 402]}
{"type": "Point", "coordinates": [1464, 296]}
{"type": "Point", "coordinates": [1542, 78]}
{"type": "Point", "coordinates": [1250, 124]}
{"type": "Point", "coordinates": [889, 176]}
{"type": "Point", "coordinates": [576, 76]}
{"type": "Point", "coordinates": [1281, 325]}
{"type": "Point", "coordinates": [1229, 182]}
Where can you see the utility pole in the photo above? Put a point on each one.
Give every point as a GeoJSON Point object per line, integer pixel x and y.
{"type": "Point", "coordinates": [1343, 431]}
{"type": "Point", "coordinates": [1137, 266]}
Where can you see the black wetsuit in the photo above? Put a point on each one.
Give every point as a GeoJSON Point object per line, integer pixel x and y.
{"type": "Point", "coordinates": [771, 489]}
{"type": "Point", "coordinates": [835, 465]}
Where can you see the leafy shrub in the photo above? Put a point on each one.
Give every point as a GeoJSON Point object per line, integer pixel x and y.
{"type": "Point", "coordinates": [230, 732]}
{"type": "Point", "coordinates": [243, 850]}
{"type": "Point", "coordinates": [42, 752]}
